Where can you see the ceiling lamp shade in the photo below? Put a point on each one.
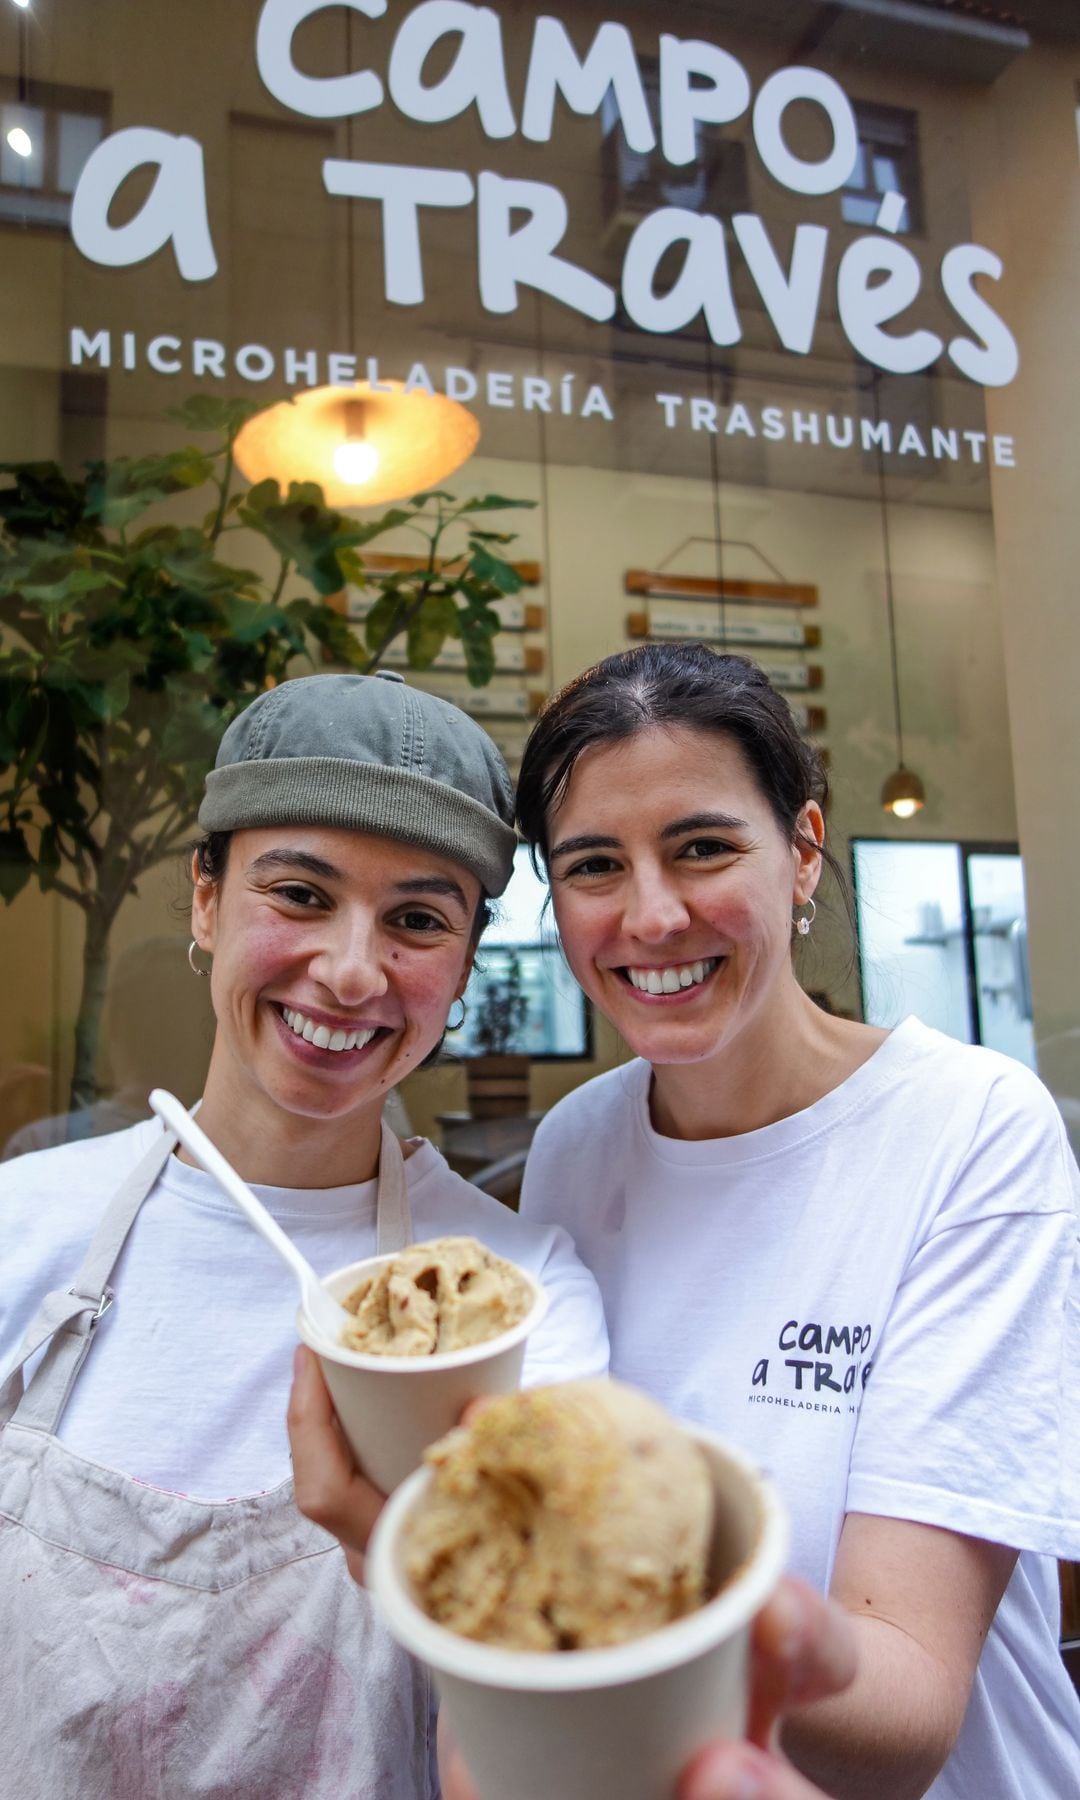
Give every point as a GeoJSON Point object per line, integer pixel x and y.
{"type": "Point", "coordinates": [903, 793]}
{"type": "Point", "coordinates": [363, 445]}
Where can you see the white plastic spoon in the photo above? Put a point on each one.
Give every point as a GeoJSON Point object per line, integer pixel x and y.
{"type": "Point", "coordinates": [320, 1306]}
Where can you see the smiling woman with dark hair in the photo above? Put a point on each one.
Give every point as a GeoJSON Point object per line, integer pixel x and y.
{"type": "Point", "coordinates": [852, 1251]}
{"type": "Point", "coordinates": [170, 1622]}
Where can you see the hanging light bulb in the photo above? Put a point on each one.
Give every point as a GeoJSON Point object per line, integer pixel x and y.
{"type": "Point", "coordinates": [19, 141]}
{"type": "Point", "coordinates": [355, 460]}
{"type": "Point", "coordinates": [371, 441]}
{"type": "Point", "coordinates": [903, 793]}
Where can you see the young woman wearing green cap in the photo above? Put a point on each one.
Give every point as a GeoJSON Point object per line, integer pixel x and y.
{"type": "Point", "coordinates": [171, 1624]}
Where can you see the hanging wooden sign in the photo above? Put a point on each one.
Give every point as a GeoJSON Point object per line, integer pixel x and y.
{"type": "Point", "coordinates": [654, 584]}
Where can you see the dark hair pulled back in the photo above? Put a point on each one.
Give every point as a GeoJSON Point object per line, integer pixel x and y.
{"type": "Point", "coordinates": [672, 684]}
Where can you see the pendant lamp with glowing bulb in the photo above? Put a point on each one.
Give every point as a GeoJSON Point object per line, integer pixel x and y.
{"type": "Point", "coordinates": [902, 793]}
{"type": "Point", "coordinates": [363, 444]}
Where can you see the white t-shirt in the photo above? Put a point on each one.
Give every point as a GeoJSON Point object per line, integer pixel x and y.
{"type": "Point", "coordinates": [878, 1298]}
{"type": "Point", "coordinates": [186, 1383]}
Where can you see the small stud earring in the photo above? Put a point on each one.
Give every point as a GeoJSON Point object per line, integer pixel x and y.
{"type": "Point", "coordinates": [803, 925]}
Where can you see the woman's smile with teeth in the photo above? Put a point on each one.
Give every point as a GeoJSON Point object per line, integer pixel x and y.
{"type": "Point", "coordinates": [671, 979]}
{"type": "Point", "coordinates": [322, 1036]}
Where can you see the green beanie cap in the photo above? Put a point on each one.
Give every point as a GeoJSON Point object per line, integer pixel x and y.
{"type": "Point", "coordinates": [368, 753]}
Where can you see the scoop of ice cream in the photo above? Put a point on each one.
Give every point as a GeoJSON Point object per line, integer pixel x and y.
{"type": "Point", "coordinates": [562, 1518]}
{"type": "Point", "coordinates": [442, 1295]}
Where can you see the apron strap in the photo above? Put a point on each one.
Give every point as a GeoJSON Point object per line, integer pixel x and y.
{"type": "Point", "coordinates": [393, 1218]}
{"type": "Point", "coordinates": [68, 1316]}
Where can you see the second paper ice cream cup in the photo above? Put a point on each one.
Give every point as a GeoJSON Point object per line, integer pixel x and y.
{"type": "Point", "coordinates": [623, 1720]}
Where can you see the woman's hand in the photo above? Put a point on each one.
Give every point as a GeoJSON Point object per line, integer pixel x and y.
{"type": "Point", "coordinates": [802, 1650]}
{"type": "Point", "coordinates": [330, 1489]}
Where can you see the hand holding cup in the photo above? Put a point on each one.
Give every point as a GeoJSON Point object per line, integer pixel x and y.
{"type": "Point", "coordinates": [391, 1406]}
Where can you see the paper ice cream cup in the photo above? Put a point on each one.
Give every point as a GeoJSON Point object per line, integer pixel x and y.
{"type": "Point", "coordinates": [392, 1407]}
{"type": "Point", "coordinates": [624, 1720]}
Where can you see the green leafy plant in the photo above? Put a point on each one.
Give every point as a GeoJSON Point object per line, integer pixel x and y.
{"type": "Point", "coordinates": [502, 1011]}
{"type": "Point", "coordinates": [127, 646]}
{"type": "Point", "coordinates": [449, 594]}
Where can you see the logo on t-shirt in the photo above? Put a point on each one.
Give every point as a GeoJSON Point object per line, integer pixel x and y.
{"type": "Point", "coordinates": [820, 1368]}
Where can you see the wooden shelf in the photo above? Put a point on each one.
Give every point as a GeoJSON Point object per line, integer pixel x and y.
{"type": "Point", "coordinates": [655, 585]}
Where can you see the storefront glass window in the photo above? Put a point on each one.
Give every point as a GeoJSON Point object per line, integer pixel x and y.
{"type": "Point", "coordinates": [765, 318]}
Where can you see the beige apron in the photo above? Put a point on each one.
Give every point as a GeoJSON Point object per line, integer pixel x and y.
{"type": "Point", "coordinates": [154, 1647]}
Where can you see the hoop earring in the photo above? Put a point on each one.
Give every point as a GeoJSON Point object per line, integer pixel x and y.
{"type": "Point", "coordinates": [460, 1022]}
{"type": "Point", "coordinates": [803, 925]}
{"type": "Point", "coordinates": [193, 965]}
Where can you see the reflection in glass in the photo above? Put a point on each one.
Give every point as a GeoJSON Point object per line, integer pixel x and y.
{"type": "Point", "coordinates": [79, 134]}
{"type": "Point", "coordinates": [63, 127]}
{"type": "Point", "coordinates": [18, 167]}
{"type": "Point", "coordinates": [886, 162]}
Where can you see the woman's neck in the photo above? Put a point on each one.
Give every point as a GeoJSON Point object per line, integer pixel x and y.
{"type": "Point", "coordinates": [775, 1067]}
{"type": "Point", "coordinates": [272, 1147]}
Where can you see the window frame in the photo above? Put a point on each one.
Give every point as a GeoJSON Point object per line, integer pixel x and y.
{"type": "Point", "coordinates": [894, 131]}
